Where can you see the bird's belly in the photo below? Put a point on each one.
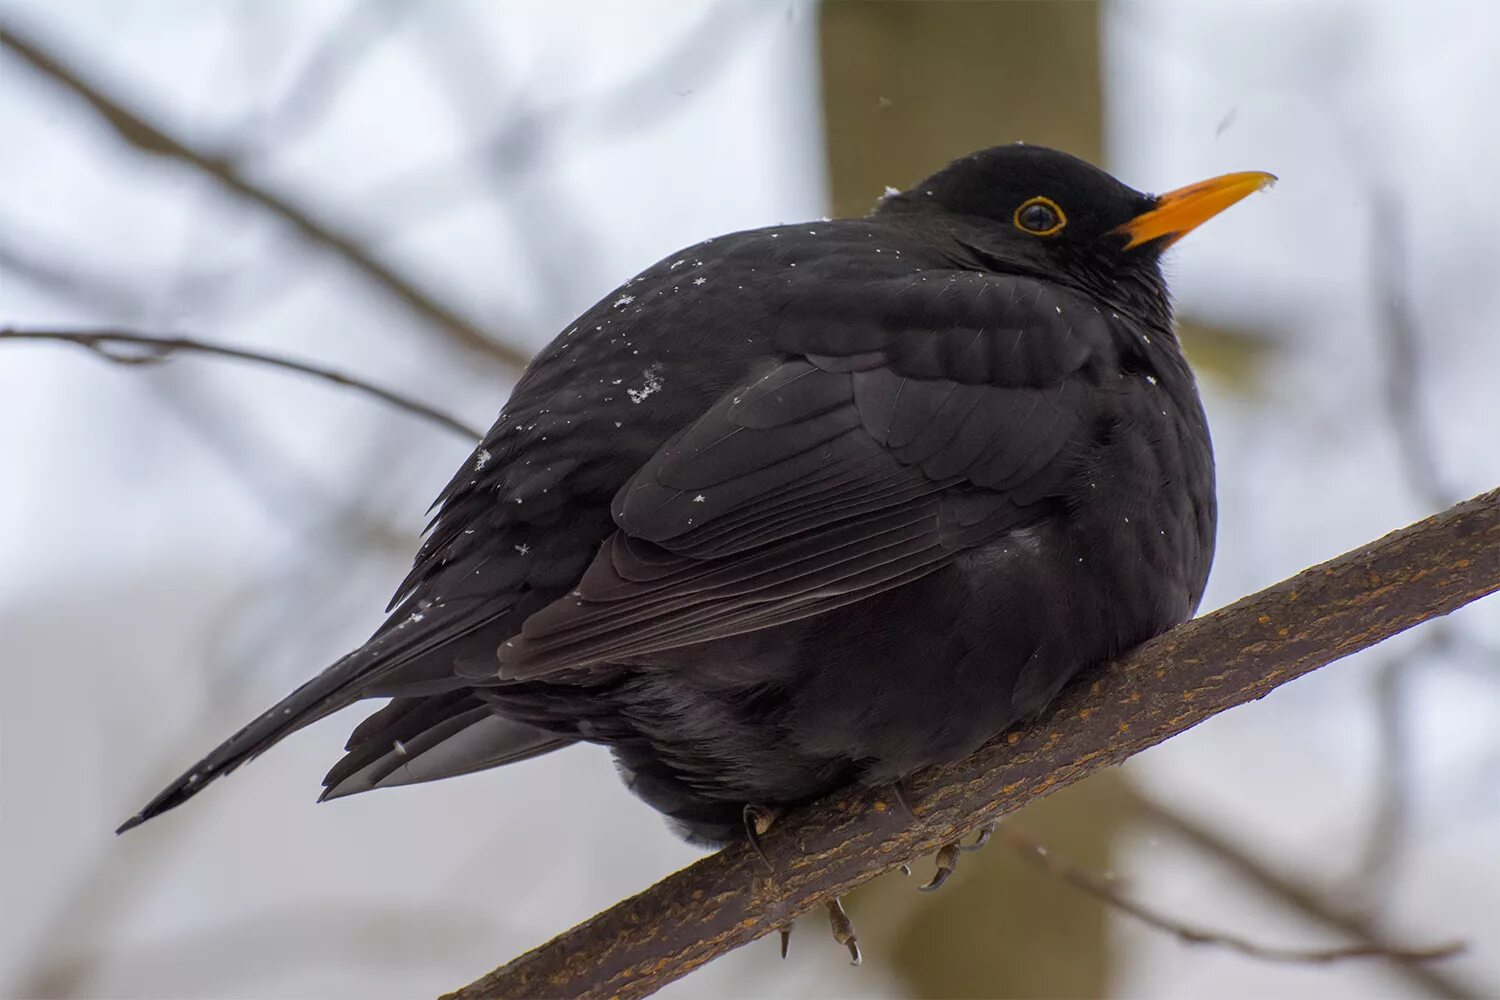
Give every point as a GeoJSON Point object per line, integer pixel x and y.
{"type": "Point", "coordinates": [922, 674]}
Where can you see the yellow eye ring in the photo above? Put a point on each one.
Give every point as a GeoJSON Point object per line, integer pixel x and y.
{"type": "Point", "coordinates": [1052, 227]}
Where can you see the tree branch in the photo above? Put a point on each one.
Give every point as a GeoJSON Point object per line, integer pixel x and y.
{"type": "Point", "coordinates": [133, 128]}
{"type": "Point", "coordinates": [1223, 659]}
{"type": "Point", "coordinates": [128, 348]}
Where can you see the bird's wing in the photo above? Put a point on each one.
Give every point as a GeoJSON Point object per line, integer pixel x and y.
{"type": "Point", "coordinates": [831, 478]}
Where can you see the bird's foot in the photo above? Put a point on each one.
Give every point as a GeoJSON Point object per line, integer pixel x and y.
{"type": "Point", "coordinates": [758, 820]}
{"type": "Point", "coordinates": [843, 930]}
{"type": "Point", "coordinates": [947, 858]}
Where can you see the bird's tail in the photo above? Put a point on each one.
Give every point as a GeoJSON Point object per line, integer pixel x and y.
{"type": "Point", "coordinates": [411, 654]}
{"type": "Point", "coordinates": [323, 695]}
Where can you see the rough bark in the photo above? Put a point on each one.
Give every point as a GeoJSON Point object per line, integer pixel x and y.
{"type": "Point", "coordinates": [1223, 659]}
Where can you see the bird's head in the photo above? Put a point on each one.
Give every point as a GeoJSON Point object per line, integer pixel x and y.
{"type": "Point", "coordinates": [1034, 210]}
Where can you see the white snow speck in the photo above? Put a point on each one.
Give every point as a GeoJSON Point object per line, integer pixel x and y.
{"type": "Point", "coordinates": [889, 192]}
{"type": "Point", "coordinates": [700, 281]}
{"type": "Point", "coordinates": [623, 301]}
{"type": "Point", "coordinates": [676, 264]}
{"type": "Point", "coordinates": [417, 616]}
{"type": "Point", "coordinates": [1151, 379]}
{"type": "Point", "coordinates": [399, 747]}
{"type": "Point", "coordinates": [481, 459]}
{"type": "Point", "coordinates": [653, 384]}
{"type": "Point", "coordinates": [699, 498]}
{"type": "Point", "coordinates": [523, 548]}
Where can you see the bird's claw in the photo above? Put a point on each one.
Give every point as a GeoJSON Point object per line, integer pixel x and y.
{"type": "Point", "coordinates": [758, 820]}
{"type": "Point", "coordinates": [786, 940]}
{"type": "Point", "coordinates": [947, 858]}
{"type": "Point", "coordinates": [985, 832]}
{"type": "Point", "coordinates": [843, 930]}
{"type": "Point", "coordinates": [947, 863]}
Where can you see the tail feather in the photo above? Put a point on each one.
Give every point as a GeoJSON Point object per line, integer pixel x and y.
{"type": "Point", "coordinates": [319, 697]}
{"type": "Point", "coordinates": [410, 653]}
{"type": "Point", "coordinates": [423, 739]}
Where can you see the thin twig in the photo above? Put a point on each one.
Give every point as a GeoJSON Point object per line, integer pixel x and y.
{"type": "Point", "coordinates": [1300, 894]}
{"type": "Point", "coordinates": [133, 128]}
{"type": "Point", "coordinates": [1102, 888]}
{"type": "Point", "coordinates": [126, 347]}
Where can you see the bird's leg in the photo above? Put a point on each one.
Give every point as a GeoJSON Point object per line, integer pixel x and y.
{"type": "Point", "coordinates": [903, 798]}
{"type": "Point", "coordinates": [843, 929]}
{"type": "Point", "coordinates": [947, 857]}
{"type": "Point", "coordinates": [758, 820]}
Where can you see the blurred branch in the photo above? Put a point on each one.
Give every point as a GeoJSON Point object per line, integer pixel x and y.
{"type": "Point", "coordinates": [132, 127]}
{"type": "Point", "coordinates": [1299, 894]}
{"type": "Point", "coordinates": [704, 50]}
{"type": "Point", "coordinates": [1161, 688]}
{"type": "Point", "coordinates": [1394, 769]}
{"type": "Point", "coordinates": [1403, 351]}
{"type": "Point", "coordinates": [1104, 889]}
{"type": "Point", "coordinates": [128, 348]}
{"type": "Point", "coordinates": [324, 74]}
{"type": "Point", "coordinates": [1402, 354]}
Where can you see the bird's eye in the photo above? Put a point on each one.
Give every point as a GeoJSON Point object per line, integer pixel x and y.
{"type": "Point", "coordinates": [1040, 217]}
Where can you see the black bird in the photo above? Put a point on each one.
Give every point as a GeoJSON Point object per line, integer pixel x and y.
{"type": "Point", "coordinates": [807, 505]}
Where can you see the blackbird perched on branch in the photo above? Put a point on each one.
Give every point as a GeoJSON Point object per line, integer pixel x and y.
{"type": "Point", "coordinates": [807, 505]}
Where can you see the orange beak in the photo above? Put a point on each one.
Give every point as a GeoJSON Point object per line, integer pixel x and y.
{"type": "Point", "coordinates": [1179, 212]}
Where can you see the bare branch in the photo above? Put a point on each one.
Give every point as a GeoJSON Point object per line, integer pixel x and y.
{"type": "Point", "coordinates": [1300, 894]}
{"type": "Point", "coordinates": [125, 347]}
{"type": "Point", "coordinates": [1163, 687]}
{"type": "Point", "coordinates": [1104, 889]}
{"type": "Point", "coordinates": [133, 128]}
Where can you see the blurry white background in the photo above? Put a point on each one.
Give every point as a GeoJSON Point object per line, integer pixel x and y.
{"type": "Point", "coordinates": [181, 544]}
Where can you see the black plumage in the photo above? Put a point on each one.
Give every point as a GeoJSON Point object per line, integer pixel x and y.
{"type": "Point", "coordinates": [806, 505]}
